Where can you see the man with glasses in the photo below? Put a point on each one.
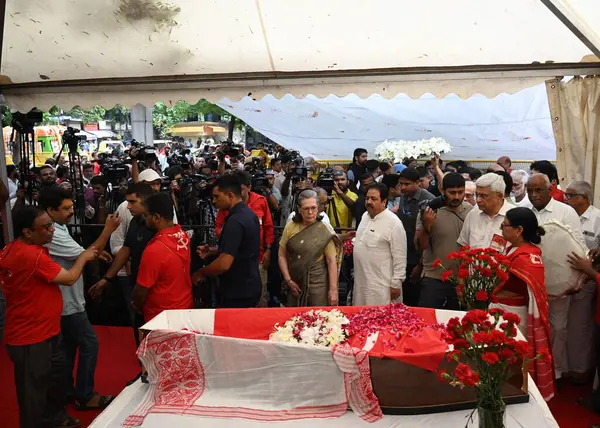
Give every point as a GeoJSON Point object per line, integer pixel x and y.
{"type": "Point", "coordinates": [29, 280]}
{"type": "Point", "coordinates": [580, 327]}
{"type": "Point", "coordinates": [482, 224]}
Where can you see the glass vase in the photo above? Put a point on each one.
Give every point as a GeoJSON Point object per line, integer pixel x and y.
{"type": "Point", "coordinates": [492, 418]}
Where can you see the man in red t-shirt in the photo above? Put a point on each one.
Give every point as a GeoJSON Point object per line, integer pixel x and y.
{"type": "Point", "coordinates": [29, 279]}
{"type": "Point", "coordinates": [259, 205]}
{"type": "Point", "coordinates": [164, 280]}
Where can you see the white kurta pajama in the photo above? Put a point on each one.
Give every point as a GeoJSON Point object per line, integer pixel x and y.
{"type": "Point", "coordinates": [379, 258]}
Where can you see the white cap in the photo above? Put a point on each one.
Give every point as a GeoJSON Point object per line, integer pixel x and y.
{"type": "Point", "coordinates": [149, 175]}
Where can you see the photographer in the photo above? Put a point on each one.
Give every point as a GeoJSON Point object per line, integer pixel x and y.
{"type": "Point", "coordinates": [237, 263]}
{"type": "Point", "coordinates": [340, 205]}
{"type": "Point", "coordinates": [274, 195]}
{"type": "Point", "coordinates": [259, 206]}
{"type": "Point", "coordinates": [96, 198]}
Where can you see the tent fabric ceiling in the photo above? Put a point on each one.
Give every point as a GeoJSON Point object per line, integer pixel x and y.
{"type": "Point", "coordinates": [479, 128]}
{"type": "Point", "coordinates": [78, 39]}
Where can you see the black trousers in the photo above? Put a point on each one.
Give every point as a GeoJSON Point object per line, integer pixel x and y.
{"type": "Point", "coordinates": [411, 293]}
{"type": "Point", "coordinates": [438, 294]}
{"type": "Point", "coordinates": [40, 379]}
{"type": "Point", "coordinates": [240, 303]}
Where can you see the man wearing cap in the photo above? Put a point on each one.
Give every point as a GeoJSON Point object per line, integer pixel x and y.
{"type": "Point", "coordinates": [273, 193]}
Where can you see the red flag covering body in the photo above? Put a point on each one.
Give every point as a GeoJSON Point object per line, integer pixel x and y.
{"type": "Point", "coordinates": [426, 349]}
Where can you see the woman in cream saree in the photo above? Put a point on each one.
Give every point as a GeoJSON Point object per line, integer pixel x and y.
{"type": "Point", "coordinates": [310, 255]}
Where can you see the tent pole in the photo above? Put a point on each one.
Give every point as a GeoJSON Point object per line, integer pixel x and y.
{"type": "Point", "coordinates": [567, 17]}
{"type": "Point", "coordinates": [7, 228]}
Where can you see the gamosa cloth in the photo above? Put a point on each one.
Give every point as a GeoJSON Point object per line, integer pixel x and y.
{"type": "Point", "coordinates": [213, 376]}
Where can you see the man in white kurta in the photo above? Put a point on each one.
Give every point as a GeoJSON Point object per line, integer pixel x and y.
{"type": "Point", "coordinates": [546, 209]}
{"type": "Point", "coordinates": [379, 252]}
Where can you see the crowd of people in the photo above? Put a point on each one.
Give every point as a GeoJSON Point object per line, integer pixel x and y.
{"type": "Point", "coordinates": [263, 231]}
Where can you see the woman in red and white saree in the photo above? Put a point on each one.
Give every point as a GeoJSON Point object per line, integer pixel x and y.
{"type": "Point", "coordinates": [524, 293]}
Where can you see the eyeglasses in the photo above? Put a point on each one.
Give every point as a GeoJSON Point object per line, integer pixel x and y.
{"type": "Point", "coordinates": [309, 209]}
{"type": "Point", "coordinates": [504, 226]}
{"type": "Point", "coordinates": [47, 226]}
{"type": "Point", "coordinates": [572, 195]}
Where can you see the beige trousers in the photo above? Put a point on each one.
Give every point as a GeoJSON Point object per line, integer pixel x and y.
{"type": "Point", "coordinates": [559, 318]}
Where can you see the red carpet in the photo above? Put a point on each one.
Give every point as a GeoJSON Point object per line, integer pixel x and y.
{"type": "Point", "coordinates": [117, 365]}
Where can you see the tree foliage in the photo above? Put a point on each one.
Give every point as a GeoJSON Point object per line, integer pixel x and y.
{"type": "Point", "coordinates": [166, 117]}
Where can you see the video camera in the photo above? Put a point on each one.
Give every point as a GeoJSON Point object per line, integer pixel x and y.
{"type": "Point", "coordinates": [202, 183]}
{"type": "Point", "coordinates": [260, 183]}
{"type": "Point", "coordinates": [114, 170]}
{"type": "Point", "coordinates": [146, 154]}
{"type": "Point", "coordinates": [229, 148]}
{"type": "Point", "coordinates": [71, 139]}
{"type": "Point", "coordinates": [326, 180]}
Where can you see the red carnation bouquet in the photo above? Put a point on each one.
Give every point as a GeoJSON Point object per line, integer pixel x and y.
{"type": "Point", "coordinates": [480, 272]}
{"type": "Point", "coordinates": [487, 353]}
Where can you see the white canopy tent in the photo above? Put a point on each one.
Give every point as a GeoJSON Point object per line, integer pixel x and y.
{"type": "Point", "coordinates": [142, 51]}
{"type": "Point", "coordinates": [478, 128]}
{"type": "Point", "coordinates": [133, 52]}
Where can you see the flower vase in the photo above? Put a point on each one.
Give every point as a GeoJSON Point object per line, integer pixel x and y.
{"type": "Point", "coordinates": [492, 418]}
{"type": "Point", "coordinates": [483, 305]}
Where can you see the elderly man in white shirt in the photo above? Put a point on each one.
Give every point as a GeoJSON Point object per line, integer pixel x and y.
{"type": "Point", "coordinates": [482, 225]}
{"type": "Point", "coordinates": [519, 189]}
{"type": "Point", "coordinates": [379, 252]}
{"type": "Point", "coordinates": [546, 209]}
{"type": "Point", "coordinates": [579, 195]}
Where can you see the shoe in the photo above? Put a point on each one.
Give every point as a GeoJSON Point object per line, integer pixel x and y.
{"type": "Point", "coordinates": [134, 380]}
{"type": "Point", "coordinates": [69, 423]}
{"type": "Point", "coordinates": [103, 402]}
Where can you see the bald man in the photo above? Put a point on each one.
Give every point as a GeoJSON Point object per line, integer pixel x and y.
{"type": "Point", "coordinates": [505, 162]}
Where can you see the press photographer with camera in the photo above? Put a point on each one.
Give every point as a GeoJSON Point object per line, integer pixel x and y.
{"type": "Point", "coordinates": [259, 206]}
{"type": "Point", "coordinates": [341, 202]}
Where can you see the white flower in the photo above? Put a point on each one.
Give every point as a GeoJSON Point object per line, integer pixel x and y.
{"type": "Point", "coordinates": [314, 328]}
{"type": "Point", "coordinates": [399, 150]}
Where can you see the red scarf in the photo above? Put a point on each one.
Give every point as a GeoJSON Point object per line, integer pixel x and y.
{"type": "Point", "coordinates": [526, 264]}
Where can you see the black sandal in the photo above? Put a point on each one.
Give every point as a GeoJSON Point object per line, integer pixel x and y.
{"type": "Point", "coordinates": [103, 403]}
{"type": "Point", "coordinates": [69, 423]}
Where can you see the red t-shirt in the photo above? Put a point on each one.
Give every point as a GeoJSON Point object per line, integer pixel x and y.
{"type": "Point", "coordinates": [165, 270]}
{"type": "Point", "coordinates": [559, 195]}
{"type": "Point", "coordinates": [33, 302]}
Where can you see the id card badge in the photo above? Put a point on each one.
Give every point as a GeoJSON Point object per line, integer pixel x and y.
{"type": "Point", "coordinates": [498, 243]}
{"type": "Point", "coordinates": [260, 221]}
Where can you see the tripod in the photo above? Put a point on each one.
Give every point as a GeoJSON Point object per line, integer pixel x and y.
{"type": "Point", "coordinates": [23, 137]}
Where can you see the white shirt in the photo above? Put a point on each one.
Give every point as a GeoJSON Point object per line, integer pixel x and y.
{"type": "Point", "coordinates": [325, 218]}
{"type": "Point", "coordinates": [13, 186]}
{"type": "Point", "coordinates": [279, 179]}
{"type": "Point", "coordinates": [590, 227]}
{"type": "Point", "coordinates": [479, 228]}
{"type": "Point", "coordinates": [379, 258]}
{"type": "Point", "coordinates": [525, 202]}
{"type": "Point", "coordinates": [563, 214]}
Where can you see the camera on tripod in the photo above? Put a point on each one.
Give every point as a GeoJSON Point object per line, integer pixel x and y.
{"type": "Point", "coordinates": [260, 183]}
{"type": "Point", "coordinates": [71, 139]}
{"type": "Point", "coordinates": [25, 122]}
{"type": "Point", "coordinates": [202, 183]}
{"type": "Point", "coordinates": [114, 171]}
{"type": "Point", "coordinates": [326, 180]}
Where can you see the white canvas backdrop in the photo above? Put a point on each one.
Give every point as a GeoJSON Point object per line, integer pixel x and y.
{"type": "Point", "coordinates": [478, 128]}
